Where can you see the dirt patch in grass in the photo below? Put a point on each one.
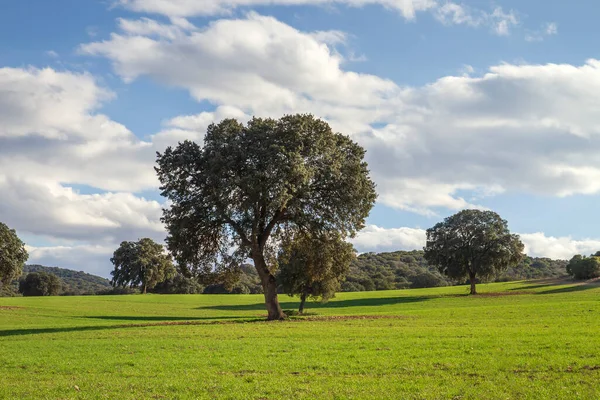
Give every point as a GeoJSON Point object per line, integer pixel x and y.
{"type": "Point", "coordinates": [243, 321]}
{"type": "Point", "coordinates": [502, 294]}
{"type": "Point", "coordinates": [349, 317]}
{"type": "Point", "coordinates": [10, 308]}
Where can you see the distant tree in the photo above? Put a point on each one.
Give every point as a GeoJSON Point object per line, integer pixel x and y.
{"type": "Point", "coordinates": [427, 279]}
{"type": "Point", "coordinates": [471, 244]}
{"type": "Point", "coordinates": [584, 267]}
{"type": "Point", "coordinates": [313, 266]}
{"type": "Point", "coordinates": [179, 284]}
{"type": "Point", "coordinates": [12, 255]}
{"type": "Point", "coordinates": [40, 284]}
{"type": "Point", "coordinates": [143, 263]}
{"type": "Point", "coordinates": [247, 187]}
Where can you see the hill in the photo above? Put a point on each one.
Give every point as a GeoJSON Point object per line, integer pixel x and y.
{"type": "Point", "coordinates": [409, 269]}
{"type": "Point", "coordinates": [74, 282]}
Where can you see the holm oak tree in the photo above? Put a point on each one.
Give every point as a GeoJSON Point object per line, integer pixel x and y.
{"type": "Point", "coordinates": [142, 263]}
{"type": "Point", "coordinates": [12, 255]}
{"type": "Point", "coordinates": [314, 267]}
{"type": "Point", "coordinates": [250, 185]}
{"type": "Point", "coordinates": [472, 243]}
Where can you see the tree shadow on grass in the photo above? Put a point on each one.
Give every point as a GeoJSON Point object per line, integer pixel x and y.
{"type": "Point", "coordinates": [367, 302]}
{"type": "Point", "coordinates": [566, 285]}
{"type": "Point", "coordinates": [570, 289]}
{"type": "Point", "coordinates": [156, 318]}
{"type": "Point", "coordinates": [163, 322]}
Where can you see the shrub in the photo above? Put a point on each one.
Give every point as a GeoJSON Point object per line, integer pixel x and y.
{"type": "Point", "coordinates": [40, 284]}
{"type": "Point", "coordinates": [584, 267]}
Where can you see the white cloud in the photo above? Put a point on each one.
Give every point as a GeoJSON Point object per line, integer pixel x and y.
{"type": "Point", "coordinates": [499, 21]}
{"type": "Point", "coordinates": [548, 29]}
{"type": "Point", "coordinates": [524, 128]}
{"type": "Point", "coordinates": [49, 209]}
{"type": "Point", "coordinates": [447, 12]}
{"type": "Point", "coordinates": [540, 245]}
{"type": "Point", "coordinates": [551, 29]}
{"type": "Point", "coordinates": [377, 239]}
{"type": "Point", "coordinates": [52, 54]}
{"type": "Point", "coordinates": [89, 258]}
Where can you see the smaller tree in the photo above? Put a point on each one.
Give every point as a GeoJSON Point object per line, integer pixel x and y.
{"type": "Point", "coordinates": [12, 255]}
{"type": "Point", "coordinates": [471, 244]}
{"type": "Point", "coordinates": [314, 266]}
{"type": "Point", "coordinates": [143, 263]}
{"type": "Point", "coordinates": [40, 284]}
{"type": "Point", "coordinates": [584, 267]}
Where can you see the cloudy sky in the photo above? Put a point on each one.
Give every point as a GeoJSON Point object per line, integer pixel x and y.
{"type": "Point", "coordinates": [474, 103]}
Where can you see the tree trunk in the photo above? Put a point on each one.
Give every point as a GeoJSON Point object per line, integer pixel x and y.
{"type": "Point", "coordinates": [472, 280]}
{"type": "Point", "coordinates": [144, 288]}
{"type": "Point", "coordinates": [269, 284]}
{"type": "Point", "coordinates": [302, 301]}
{"type": "Point", "coordinates": [271, 301]}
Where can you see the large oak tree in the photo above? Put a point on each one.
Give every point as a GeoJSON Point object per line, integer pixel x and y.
{"type": "Point", "coordinates": [249, 186]}
{"type": "Point", "coordinates": [12, 255]}
{"type": "Point", "coordinates": [472, 243]}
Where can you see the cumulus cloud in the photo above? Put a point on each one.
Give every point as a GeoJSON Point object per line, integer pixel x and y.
{"type": "Point", "coordinates": [374, 238]}
{"type": "Point", "coordinates": [377, 239]}
{"type": "Point", "coordinates": [51, 130]}
{"type": "Point", "coordinates": [92, 259]}
{"type": "Point", "coordinates": [47, 208]}
{"type": "Point", "coordinates": [518, 128]}
{"type": "Point", "coordinates": [538, 244]}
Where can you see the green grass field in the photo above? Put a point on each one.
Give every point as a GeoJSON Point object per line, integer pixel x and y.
{"type": "Point", "coordinates": [524, 340]}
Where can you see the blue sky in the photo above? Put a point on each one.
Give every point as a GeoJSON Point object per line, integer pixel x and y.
{"type": "Point", "coordinates": [459, 104]}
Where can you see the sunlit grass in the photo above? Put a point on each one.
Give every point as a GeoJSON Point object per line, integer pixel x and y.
{"type": "Point", "coordinates": [517, 341]}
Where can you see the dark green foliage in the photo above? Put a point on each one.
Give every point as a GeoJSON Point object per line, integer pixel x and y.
{"type": "Point", "coordinates": [386, 271]}
{"type": "Point", "coordinates": [74, 282]}
{"type": "Point", "coordinates": [246, 281]}
{"type": "Point", "coordinates": [404, 269]}
{"type": "Point", "coordinates": [12, 255]}
{"type": "Point", "coordinates": [40, 284]}
{"type": "Point", "coordinates": [472, 244]}
{"type": "Point", "coordinates": [141, 264]}
{"type": "Point", "coordinates": [314, 266]}
{"type": "Point", "coordinates": [535, 268]}
{"type": "Point", "coordinates": [428, 279]}
{"type": "Point", "coordinates": [179, 284]}
{"type": "Point", "coordinates": [117, 291]}
{"type": "Point", "coordinates": [581, 267]}
{"type": "Point", "coordinates": [249, 186]}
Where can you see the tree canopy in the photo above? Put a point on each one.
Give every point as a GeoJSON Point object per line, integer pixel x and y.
{"type": "Point", "coordinates": [472, 243]}
{"type": "Point", "coordinates": [143, 263]}
{"type": "Point", "coordinates": [40, 284]}
{"type": "Point", "coordinates": [581, 267]}
{"type": "Point", "coordinates": [314, 266]}
{"type": "Point", "coordinates": [248, 186]}
{"type": "Point", "coordinates": [12, 255]}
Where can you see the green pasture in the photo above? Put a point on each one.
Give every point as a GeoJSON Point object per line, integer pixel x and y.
{"type": "Point", "coordinates": [520, 340]}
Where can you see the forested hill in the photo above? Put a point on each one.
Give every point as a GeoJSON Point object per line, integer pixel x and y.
{"type": "Point", "coordinates": [406, 269]}
{"type": "Point", "coordinates": [74, 282]}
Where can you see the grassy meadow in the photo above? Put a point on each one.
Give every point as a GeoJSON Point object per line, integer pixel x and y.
{"type": "Point", "coordinates": [519, 340]}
